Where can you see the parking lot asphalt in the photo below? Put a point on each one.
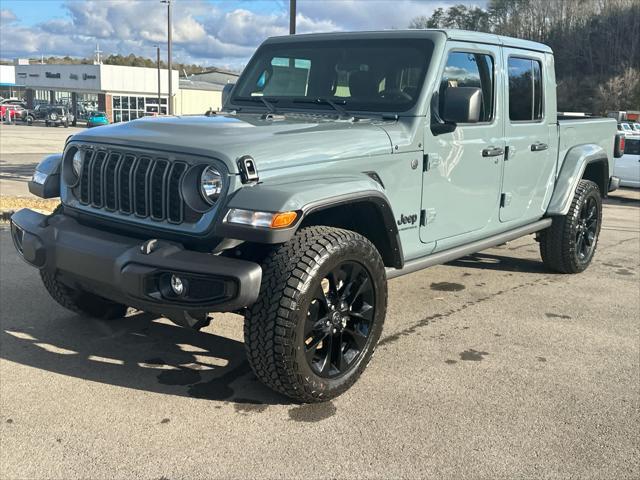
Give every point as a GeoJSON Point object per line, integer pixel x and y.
{"type": "Point", "coordinates": [21, 149]}
{"type": "Point", "coordinates": [488, 367]}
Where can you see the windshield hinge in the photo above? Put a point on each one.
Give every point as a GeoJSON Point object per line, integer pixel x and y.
{"type": "Point", "coordinates": [248, 170]}
{"type": "Point", "coordinates": [425, 162]}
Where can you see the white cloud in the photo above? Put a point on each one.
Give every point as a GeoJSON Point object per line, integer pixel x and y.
{"type": "Point", "coordinates": [202, 31]}
{"type": "Point", "coordinates": [7, 16]}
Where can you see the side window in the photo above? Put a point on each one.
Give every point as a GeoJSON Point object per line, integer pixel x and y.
{"type": "Point", "coordinates": [525, 89]}
{"type": "Point", "coordinates": [632, 147]}
{"type": "Point", "coordinates": [465, 69]}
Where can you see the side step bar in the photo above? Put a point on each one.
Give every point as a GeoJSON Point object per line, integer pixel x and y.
{"type": "Point", "coordinates": [464, 250]}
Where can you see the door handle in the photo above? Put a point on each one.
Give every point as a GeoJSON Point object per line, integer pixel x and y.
{"type": "Point", "coordinates": [538, 147]}
{"type": "Point", "coordinates": [492, 152]}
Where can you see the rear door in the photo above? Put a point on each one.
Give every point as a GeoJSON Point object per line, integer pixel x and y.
{"type": "Point", "coordinates": [461, 182]}
{"type": "Point", "coordinates": [530, 158]}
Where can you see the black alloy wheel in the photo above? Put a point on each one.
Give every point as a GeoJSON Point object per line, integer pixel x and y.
{"type": "Point", "coordinates": [315, 325]}
{"type": "Point", "coordinates": [569, 244]}
{"type": "Point", "coordinates": [587, 230]}
{"type": "Point", "coordinates": [339, 320]}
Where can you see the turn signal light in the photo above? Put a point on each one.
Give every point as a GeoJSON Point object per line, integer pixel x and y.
{"type": "Point", "coordinates": [261, 219]}
{"type": "Point", "coordinates": [284, 219]}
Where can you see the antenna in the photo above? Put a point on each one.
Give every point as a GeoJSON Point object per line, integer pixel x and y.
{"type": "Point", "coordinates": [97, 61]}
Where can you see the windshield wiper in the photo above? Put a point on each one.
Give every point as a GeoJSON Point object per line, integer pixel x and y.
{"type": "Point", "coordinates": [335, 105]}
{"type": "Point", "coordinates": [267, 103]}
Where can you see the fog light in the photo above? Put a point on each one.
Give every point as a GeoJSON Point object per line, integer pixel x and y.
{"type": "Point", "coordinates": [178, 285]}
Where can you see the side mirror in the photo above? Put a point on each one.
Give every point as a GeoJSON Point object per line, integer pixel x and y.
{"type": "Point", "coordinates": [438, 125]}
{"type": "Point", "coordinates": [226, 94]}
{"type": "Point", "coordinates": [462, 105]}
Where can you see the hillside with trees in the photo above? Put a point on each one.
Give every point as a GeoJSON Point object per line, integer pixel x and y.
{"type": "Point", "coordinates": [596, 44]}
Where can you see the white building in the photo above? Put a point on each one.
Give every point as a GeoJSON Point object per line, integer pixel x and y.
{"type": "Point", "coordinates": [8, 86]}
{"type": "Point", "coordinates": [123, 92]}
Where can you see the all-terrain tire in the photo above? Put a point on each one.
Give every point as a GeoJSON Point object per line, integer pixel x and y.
{"type": "Point", "coordinates": [82, 302]}
{"type": "Point", "coordinates": [559, 244]}
{"type": "Point", "coordinates": [274, 326]}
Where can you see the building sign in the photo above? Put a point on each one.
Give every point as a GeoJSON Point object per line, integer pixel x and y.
{"type": "Point", "coordinates": [86, 76]}
{"type": "Point", "coordinates": [34, 74]}
{"type": "Point", "coordinates": [22, 74]}
{"type": "Point", "coordinates": [52, 75]}
{"type": "Point", "coordinates": [73, 76]}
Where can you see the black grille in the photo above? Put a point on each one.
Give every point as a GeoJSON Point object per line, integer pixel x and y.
{"type": "Point", "coordinates": [132, 184]}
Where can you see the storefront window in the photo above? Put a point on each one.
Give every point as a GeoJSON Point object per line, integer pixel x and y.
{"type": "Point", "coordinates": [130, 107]}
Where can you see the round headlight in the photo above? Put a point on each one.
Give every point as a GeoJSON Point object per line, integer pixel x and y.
{"type": "Point", "coordinates": [77, 162]}
{"type": "Point", "coordinates": [211, 185]}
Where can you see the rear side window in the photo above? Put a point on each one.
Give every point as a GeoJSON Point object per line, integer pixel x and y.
{"type": "Point", "coordinates": [470, 70]}
{"type": "Point", "coordinates": [632, 146]}
{"type": "Point", "coordinates": [525, 89]}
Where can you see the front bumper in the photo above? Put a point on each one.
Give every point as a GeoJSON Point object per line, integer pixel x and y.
{"type": "Point", "coordinates": [132, 271]}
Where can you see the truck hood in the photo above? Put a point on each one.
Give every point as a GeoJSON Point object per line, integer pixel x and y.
{"type": "Point", "coordinates": [290, 141]}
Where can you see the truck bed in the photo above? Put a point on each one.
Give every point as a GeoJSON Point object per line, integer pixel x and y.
{"type": "Point", "coordinates": [583, 130]}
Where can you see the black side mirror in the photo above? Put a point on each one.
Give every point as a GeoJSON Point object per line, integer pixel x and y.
{"type": "Point", "coordinates": [462, 104]}
{"type": "Point", "coordinates": [438, 125]}
{"type": "Point", "coordinates": [226, 94]}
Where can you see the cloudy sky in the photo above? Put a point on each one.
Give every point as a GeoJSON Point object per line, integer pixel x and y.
{"type": "Point", "coordinates": [207, 32]}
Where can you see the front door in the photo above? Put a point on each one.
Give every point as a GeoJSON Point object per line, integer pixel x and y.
{"type": "Point", "coordinates": [530, 159]}
{"type": "Point", "coordinates": [461, 184]}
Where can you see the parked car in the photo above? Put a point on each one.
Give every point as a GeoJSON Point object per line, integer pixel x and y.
{"type": "Point", "coordinates": [15, 111]}
{"type": "Point", "coordinates": [37, 113]}
{"type": "Point", "coordinates": [627, 167]}
{"type": "Point", "coordinates": [95, 119]}
{"type": "Point", "coordinates": [58, 115]}
{"type": "Point", "coordinates": [627, 129]}
{"type": "Point", "coordinates": [343, 160]}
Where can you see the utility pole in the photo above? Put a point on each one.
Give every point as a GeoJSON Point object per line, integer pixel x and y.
{"type": "Point", "coordinates": [170, 99]}
{"type": "Point", "coordinates": [292, 17]}
{"type": "Point", "coordinates": [159, 95]}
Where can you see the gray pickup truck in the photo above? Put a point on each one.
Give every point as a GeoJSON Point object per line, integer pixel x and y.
{"type": "Point", "coordinates": [340, 161]}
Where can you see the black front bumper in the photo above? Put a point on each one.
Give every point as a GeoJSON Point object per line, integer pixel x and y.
{"type": "Point", "coordinates": [116, 267]}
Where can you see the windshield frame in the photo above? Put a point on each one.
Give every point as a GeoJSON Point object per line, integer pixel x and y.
{"type": "Point", "coordinates": [286, 104]}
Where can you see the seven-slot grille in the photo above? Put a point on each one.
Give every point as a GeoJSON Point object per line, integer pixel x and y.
{"type": "Point", "coordinates": [130, 183]}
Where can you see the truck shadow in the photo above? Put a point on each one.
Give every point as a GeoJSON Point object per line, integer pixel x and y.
{"type": "Point", "coordinates": [489, 261]}
{"type": "Point", "coordinates": [139, 352]}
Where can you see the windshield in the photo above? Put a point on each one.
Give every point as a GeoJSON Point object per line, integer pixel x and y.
{"type": "Point", "coordinates": [359, 75]}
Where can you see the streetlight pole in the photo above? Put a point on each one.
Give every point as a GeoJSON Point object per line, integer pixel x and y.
{"type": "Point", "coordinates": [159, 94]}
{"type": "Point", "coordinates": [170, 99]}
{"type": "Point", "coordinates": [292, 17]}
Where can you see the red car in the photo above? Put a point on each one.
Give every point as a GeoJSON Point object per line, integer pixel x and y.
{"type": "Point", "coordinates": [15, 111]}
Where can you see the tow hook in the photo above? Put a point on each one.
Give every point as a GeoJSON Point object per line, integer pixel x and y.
{"type": "Point", "coordinates": [196, 321]}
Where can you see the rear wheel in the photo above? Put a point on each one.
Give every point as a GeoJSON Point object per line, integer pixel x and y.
{"type": "Point", "coordinates": [319, 316]}
{"type": "Point", "coordinates": [568, 246]}
{"type": "Point", "coordinates": [82, 302]}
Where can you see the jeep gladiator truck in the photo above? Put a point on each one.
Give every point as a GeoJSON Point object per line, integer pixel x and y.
{"type": "Point", "coordinates": [340, 161]}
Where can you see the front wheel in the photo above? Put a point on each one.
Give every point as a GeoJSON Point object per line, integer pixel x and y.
{"type": "Point", "coordinates": [82, 302]}
{"type": "Point", "coordinates": [569, 244]}
{"type": "Point", "coordinates": [319, 316]}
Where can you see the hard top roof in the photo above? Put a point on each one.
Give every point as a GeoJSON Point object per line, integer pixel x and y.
{"type": "Point", "coordinates": [460, 35]}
